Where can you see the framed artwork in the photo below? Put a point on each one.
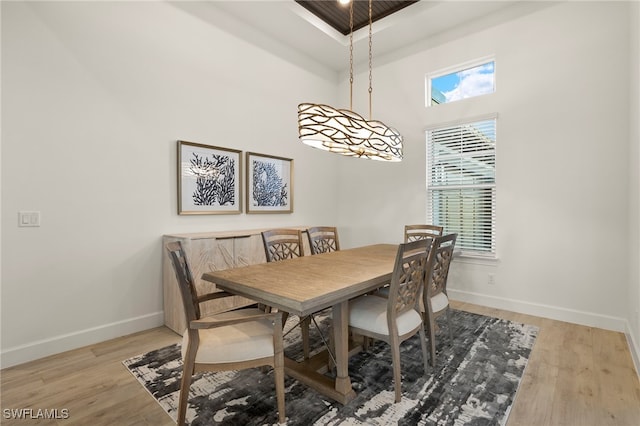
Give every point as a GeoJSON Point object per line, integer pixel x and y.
{"type": "Point", "coordinates": [269, 184]}
{"type": "Point", "coordinates": [209, 179]}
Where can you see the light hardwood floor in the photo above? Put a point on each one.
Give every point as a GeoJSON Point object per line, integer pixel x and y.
{"type": "Point", "coordinates": [576, 376]}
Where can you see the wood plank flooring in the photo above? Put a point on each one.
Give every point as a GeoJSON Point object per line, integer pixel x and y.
{"type": "Point", "coordinates": [576, 376]}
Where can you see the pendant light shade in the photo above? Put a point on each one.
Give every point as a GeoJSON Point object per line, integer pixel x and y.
{"type": "Point", "coordinates": [345, 132]}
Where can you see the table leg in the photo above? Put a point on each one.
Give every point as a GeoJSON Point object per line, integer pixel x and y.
{"type": "Point", "coordinates": [312, 371]}
{"type": "Point", "coordinates": [341, 341]}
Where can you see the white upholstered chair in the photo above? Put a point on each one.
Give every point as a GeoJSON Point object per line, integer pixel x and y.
{"type": "Point", "coordinates": [395, 318]}
{"type": "Point", "coordinates": [233, 340]}
{"type": "Point", "coordinates": [416, 233]}
{"type": "Point", "coordinates": [435, 300]}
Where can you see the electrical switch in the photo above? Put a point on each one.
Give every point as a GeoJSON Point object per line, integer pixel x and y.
{"type": "Point", "coordinates": [28, 219]}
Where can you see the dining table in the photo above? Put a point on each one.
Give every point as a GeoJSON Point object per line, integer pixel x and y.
{"type": "Point", "coordinates": [309, 284]}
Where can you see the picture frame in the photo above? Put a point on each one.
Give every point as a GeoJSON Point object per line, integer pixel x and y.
{"type": "Point", "coordinates": [209, 179]}
{"type": "Point", "coordinates": [269, 183]}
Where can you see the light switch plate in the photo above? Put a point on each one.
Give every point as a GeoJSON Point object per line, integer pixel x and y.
{"type": "Point", "coordinates": [28, 219]}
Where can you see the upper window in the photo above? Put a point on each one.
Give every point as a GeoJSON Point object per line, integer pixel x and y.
{"type": "Point", "coordinates": [461, 183]}
{"type": "Point", "coordinates": [465, 82]}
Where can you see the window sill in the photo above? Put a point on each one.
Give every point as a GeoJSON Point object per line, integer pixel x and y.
{"type": "Point", "coordinates": [461, 257]}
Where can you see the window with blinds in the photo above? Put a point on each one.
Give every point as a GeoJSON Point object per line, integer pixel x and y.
{"type": "Point", "coordinates": [461, 183]}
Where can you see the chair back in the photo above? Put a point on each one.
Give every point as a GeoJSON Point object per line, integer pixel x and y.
{"type": "Point", "coordinates": [420, 232]}
{"type": "Point", "coordinates": [185, 280]}
{"type": "Point", "coordinates": [323, 239]}
{"type": "Point", "coordinates": [407, 280]}
{"type": "Point", "coordinates": [281, 244]}
{"type": "Point", "coordinates": [438, 264]}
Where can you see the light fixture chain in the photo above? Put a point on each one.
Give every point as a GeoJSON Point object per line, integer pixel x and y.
{"type": "Point", "coordinates": [370, 61]}
{"type": "Point", "coordinates": [351, 56]}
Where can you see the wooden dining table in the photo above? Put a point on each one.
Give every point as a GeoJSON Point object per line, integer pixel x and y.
{"type": "Point", "coordinates": [308, 284]}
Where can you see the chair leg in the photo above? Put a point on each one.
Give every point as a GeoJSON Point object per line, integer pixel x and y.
{"type": "Point", "coordinates": [285, 316]}
{"type": "Point", "coordinates": [279, 379]}
{"type": "Point", "coordinates": [304, 328]}
{"type": "Point", "coordinates": [449, 325]}
{"type": "Point", "coordinates": [278, 371]}
{"type": "Point", "coordinates": [431, 330]}
{"type": "Point", "coordinates": [395, 358]}
{"type": "Point", "coordinates": [423, 344]}
{"type": "Point", "coordinates": [185, 384]}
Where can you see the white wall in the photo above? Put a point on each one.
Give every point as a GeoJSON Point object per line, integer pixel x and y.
{"type": "Point", "coordinates": [94, 97]}
{"type": "Point", "coordinates": [562, 164]}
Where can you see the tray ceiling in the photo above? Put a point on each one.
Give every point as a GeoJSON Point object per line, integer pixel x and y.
{"type": "Point", "coordinates": [337, 15]}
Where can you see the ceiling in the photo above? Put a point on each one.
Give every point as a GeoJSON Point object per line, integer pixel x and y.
{"type": "Point", "coordinates": [289, 30]}
{"type": "Point", "coordinates": [338, 15]}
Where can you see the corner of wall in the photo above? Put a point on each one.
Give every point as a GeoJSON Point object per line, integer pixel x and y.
{"type": "Point", "coordinates": [634, 349]}
{"type": "Point", "coordinates": [633, 325]}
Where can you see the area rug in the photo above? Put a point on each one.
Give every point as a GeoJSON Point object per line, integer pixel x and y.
{"type": "Point", "coordinates": [474, 381]}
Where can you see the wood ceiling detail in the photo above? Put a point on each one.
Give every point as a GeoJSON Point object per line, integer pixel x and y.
{"type": "Point", "coordinates": [337, 15]}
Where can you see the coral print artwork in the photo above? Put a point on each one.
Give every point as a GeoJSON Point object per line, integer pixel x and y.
{"type": "Point", "coordinates": [269, 184]}
{"type": "Point", "coordinates": [209, 179]}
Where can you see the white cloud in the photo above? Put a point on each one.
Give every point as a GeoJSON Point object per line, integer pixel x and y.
{"type": "Point", "coordinates": [473, 82]}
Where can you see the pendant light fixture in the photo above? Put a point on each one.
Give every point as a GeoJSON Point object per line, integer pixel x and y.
{"type": "Point", "coordinates": [345, 132]}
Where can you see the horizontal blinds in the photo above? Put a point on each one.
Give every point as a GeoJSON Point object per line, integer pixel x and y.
{"type": "Point", "coordinates": [461, 183]}
{"type": "Point", "coordinates": [468, 212]}
{"type": "Point", "coordinates": [462, 155]}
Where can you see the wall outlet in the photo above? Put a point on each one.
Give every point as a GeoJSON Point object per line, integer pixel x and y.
{"type": "Point", "coordinates": [491, 279]}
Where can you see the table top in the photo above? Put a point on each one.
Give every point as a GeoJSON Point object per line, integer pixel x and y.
{"type": "Point", "coordinates": [308, 284]}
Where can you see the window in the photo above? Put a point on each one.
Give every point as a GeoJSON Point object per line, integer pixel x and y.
{"type": "Point", "coordinates": [466, 82]}
{"type": "Point", "coordinates": [461, 183]}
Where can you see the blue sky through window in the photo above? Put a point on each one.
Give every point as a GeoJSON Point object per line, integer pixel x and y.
{"type": "Point", "coordinates": [475, 81]}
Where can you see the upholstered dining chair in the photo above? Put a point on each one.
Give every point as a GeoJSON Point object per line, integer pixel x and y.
{"type": "Point", "coordinates": [395, 318]}
{"type": "Point", "coordinates": [323, 239]}
{"type": "Point", "coordinates": [420, 232]}
{"type": "Point", "coordinates": [281, 244]}
{"type": "Point", "coordinates": [233, 340]}
{"type": "Point", "coordinates": [435, 298]}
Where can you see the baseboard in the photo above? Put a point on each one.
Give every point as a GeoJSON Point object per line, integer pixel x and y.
{"type": "Point", "coordinates": [546, 311]}
{"type": "Point", "coordinates": [556, 313]}
{"type": "Point", "coordinates": [55, 345]}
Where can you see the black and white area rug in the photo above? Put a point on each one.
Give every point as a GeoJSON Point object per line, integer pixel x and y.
{"type": "Point", "coordinates": [474, 382]}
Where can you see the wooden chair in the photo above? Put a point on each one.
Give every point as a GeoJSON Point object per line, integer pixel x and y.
{"type": "Point", "coordinates": [282, 244]}
{"type": "Point", "coordinates": [396, 318]}
{"type": "Point", "coordinates": [419, 232]}
{"type": "Point", "coordinates": [323, 239]}
{"type": "Point", "coordinates": [435, 300]}
{"type": "Point", "coordinates": [233, 340]}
